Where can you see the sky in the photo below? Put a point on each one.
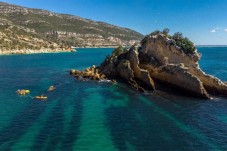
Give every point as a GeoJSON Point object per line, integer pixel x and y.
{"type": "Point", "coordinates": [203, 21]}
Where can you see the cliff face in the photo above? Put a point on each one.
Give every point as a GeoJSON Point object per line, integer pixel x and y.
{"type": "Point", "coordinates": [159, 48]}
{"type": "Point", "coordinates": [160, 60]}
{"type": "Point", "coordinates": [24, 28]}
{"type": "Point", "coordinates": [164, 51]}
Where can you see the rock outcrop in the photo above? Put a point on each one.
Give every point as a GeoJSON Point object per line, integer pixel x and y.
{"type": "Point", "coordinates": [91, 73]}
{"type": "Point", "coordinates": [160, 59]}
{"type": "Point", "coordinates": [124, 64]}
{"type": "Point", "coordinates": [166, 54]}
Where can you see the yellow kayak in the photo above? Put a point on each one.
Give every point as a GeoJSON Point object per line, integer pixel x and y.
{"type": "Point", "coordinates": [51, 88]}
{"type": "Point", "coordinates": [41, 97]}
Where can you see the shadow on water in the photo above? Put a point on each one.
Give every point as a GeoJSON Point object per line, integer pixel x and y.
{"type": "Point", "coordinates": [127, 128]}
{"type": "Point", "coordinates": [52, 130]}
{"type": "Point", "coordinates": [19, 124]}
{"type": "Point", "coordinates": [148, 127]}
{"type": "Point", "coordinates": [74, 128]}
{"type": "Point", "coordinates": [52, 136]}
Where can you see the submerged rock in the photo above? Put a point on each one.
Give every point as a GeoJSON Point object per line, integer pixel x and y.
{"type": "Point", "coordinates": [160, 59]}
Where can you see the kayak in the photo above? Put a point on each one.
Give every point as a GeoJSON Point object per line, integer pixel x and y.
{"type": "Point", "coordinates": [41, 97]}
{"type": "Point", "coordinates": [51, 88]}
{"type": "Point", "coordinates": [23, 92]}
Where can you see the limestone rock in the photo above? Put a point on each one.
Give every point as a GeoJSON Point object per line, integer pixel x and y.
{"type": "Point", "coordinates": [212, 84]}
{"type": "Point", "coordinates": [159, 59]}
{"type": "Point", "coordinates": [140, 74]}
{"type": "Point", "coordinates": [160, 47]}
{"type": "Point", "coordinates": [179, 77]}
{"type": "Point", "coordinates": [91, 73]}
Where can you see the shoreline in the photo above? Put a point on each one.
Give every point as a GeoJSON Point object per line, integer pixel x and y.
{"type": "Point", "coordinates": [57, 50]}
{"type": "Point", "coordinates": [29, 51]}
{"type": "Point", "coordinates": [110, 46]}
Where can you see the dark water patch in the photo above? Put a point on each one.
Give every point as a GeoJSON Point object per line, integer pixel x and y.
{"type": "Point", "coordinates": [51, 133]}
{"type": "Point", "coordinates": [73, 131]}
{"type": "Point", "coordinates": [145, 127]}
{"type": "Point", "coordinates": [195, 137]}
{"type": "Point", "coordinates": [20, 123]}
{"type": "Point", "coordinates": [140, 128]}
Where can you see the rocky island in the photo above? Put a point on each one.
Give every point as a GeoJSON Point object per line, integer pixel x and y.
{"type": "Point", "coordinates": [162, 60]}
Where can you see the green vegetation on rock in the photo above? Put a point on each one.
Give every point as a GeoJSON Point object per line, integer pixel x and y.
{"type": "Point", "coordinates": [178, 40]}
{"type": "Point", "coordinates": [184, 43]}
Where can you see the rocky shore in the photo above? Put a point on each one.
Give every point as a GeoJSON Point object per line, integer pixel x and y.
{"type": "Point", "coordinates": [47, 50]}
{"type": "Point", "coordinates": [31, 51]}
{"type": "Point", "coordinates": [171, 61]}
{"type": "Point", "coordinates": [91, 73]}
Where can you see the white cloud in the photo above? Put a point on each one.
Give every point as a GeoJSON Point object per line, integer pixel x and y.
{"type": "Point", "coordinates": [218, 29]}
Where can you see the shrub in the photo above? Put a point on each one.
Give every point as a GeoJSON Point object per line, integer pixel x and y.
{"type": "Point", "coordinates": [179, 40]}
{"type": "Point", "coordinates": [165, 31]}
{"type": "Point", "coordinates": [177, 36]}
{"type": "Point", "coordinates": [186, 45]}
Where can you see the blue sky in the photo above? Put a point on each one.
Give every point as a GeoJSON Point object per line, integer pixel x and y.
{"type": "Point", "coordinates": [203, 21]}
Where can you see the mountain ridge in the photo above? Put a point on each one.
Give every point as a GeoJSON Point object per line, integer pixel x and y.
{"type": "Point", "coordinates": [23, 28]}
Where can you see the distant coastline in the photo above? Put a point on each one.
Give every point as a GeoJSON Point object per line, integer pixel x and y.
{"type": "Point", "coordinates": [46, 50]}
{"type": "Point", "coordinates": [29, 51]}
{"type": "Point", "coordinates": [112, 46]}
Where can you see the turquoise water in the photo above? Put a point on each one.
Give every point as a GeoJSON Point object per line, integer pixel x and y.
{"type": "Point", "coordinates": [97, 116]}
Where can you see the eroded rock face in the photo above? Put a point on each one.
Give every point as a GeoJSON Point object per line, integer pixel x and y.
{"type": "Point", "coordinates": [212, 84]}
{"type": "Point", "coordinates": [158, 60]}
{"type": "Point", "coordinates": [124, 64]}
{"type": "Point", "coordinates": [140, 74]}
{"type": "Point", "coordinates": [179, 77]}
{"type": "Point", "coordinates": [165, 53]}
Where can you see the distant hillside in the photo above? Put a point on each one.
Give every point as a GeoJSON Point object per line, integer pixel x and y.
{"type": "Point", "coordinates": [34, 29]}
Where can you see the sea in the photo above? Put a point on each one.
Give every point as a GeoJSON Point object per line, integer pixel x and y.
{"type": "Point", "coordinates": [99, 116]}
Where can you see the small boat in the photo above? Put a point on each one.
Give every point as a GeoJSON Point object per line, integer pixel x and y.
{"type": "Point", "coordinates": [51, 88]}
{"type": "Point", "coordinates": [41, 97]}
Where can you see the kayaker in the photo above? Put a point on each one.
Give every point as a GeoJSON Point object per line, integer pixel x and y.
{"type": "Point", "coordinates": [51, 88]}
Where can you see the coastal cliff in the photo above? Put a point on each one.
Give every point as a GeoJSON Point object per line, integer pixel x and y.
{"type": "Point", "coordinates": [169, 61]}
